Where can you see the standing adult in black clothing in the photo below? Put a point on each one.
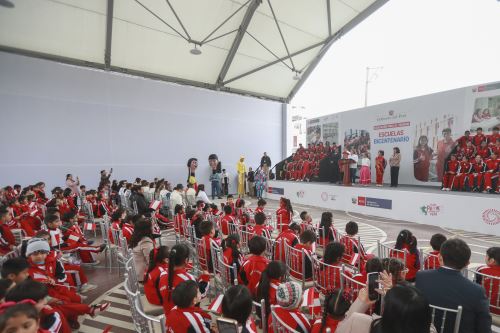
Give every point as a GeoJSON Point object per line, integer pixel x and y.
{"type": "Point", "coordinates": [334, 165]}
{"type": "Point", "coordinates": [265, 164]}
{"type": "Point", "coordinates": [251, 182]}
{"type": "Point", "coordinates": [394, 162]}
{"type": "Point", "coordinates": [137, 196]}
{"type": "Point", "coordinates": [447, 287]}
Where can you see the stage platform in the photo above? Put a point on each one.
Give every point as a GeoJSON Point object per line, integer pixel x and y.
{"type": "Point", "coordinates": [474, 212]}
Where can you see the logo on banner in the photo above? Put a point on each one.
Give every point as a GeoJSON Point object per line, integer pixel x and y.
{"type": "Point", "coordinates": [431, 209]}
{"type": "Point", "coordinates": [300, 194]}
{"type": "Point", "coordinates": [325, 196]}
{"type": "Point", "coordinates": [373, 202]}
{"type": "Point", "coordinates": [491, 216]}
{"type": "Point", "coordinates": [390, 115]}
{"type": "Point", "coordinates": [276, 190]}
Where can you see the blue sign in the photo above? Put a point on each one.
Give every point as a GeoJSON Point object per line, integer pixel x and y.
{"type": "Point", "coordinates": [276, 190]}
{"type": "Point", "coordinates": [375, 202]}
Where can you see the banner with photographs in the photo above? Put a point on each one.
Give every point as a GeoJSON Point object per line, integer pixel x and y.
{"type": "Point", "coordinates": [424, 128]}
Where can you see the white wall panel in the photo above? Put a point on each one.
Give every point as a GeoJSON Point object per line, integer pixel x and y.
{"type": "Point", "coordinates": [57, 119]}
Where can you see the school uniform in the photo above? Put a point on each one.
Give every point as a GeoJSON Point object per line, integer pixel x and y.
{"type": "Point", "coordinates": [262, 230]}
{"type": "Point", "coordinates": [283, 218]}
{"type": "Point", "coordinates": [180, 275]}
{"type": "Point", "coordinates": [251, 271]}
{"type": "Point", "coordinates": [152, 284]}
{"type": "Point", "coordinates": [292, 318]}
{"type": "Point", "coordinates": [432, 261]}
{"type": "Point", "coordinates": [490, 285]}
{"type": "Point", "coordinates": [308, 252]}
{"type": "Point", "coordinates": [224, 224]}
{"type": "Point", "coordinates": [75, 240]}
{"type": "Point", "coordinates": [286, 237]}
{"type": "Point", "coordinates": [188, 320]}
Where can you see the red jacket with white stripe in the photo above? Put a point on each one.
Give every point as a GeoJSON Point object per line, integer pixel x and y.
{"type": "Point", "coordinates": [251, 271]}
{"type": "Point", "coordinates": [180, 275]}
{"type": "Point", "coordinates": [188, 320]}
{"type": "Point", "coordinates": [292, 318]}
{"type": "Point", "coordinates": [152, 284]}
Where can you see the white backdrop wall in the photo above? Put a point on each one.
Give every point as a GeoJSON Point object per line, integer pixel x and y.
{"type": "Point", "coordinates": [57, 119]}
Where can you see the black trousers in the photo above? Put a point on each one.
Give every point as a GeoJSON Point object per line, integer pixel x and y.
{"type": "Point", "coordinates": [394, 176]}
{"type": "Point", "coordinates": [352, 172]}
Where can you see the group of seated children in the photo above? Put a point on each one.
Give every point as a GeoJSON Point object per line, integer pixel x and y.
{"type": "Point", "coordinates": [476, 164]}
{"type": "Point", "coordinates": [303, 165]}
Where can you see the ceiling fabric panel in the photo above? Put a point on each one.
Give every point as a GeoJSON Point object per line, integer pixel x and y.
{"type": "Point", "coordinates": [263, 48]}
{"type": "Point", "coordinates": [72, 29]}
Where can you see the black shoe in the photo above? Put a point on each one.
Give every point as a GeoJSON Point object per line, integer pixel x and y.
{"type": "Point", "coordinates": [74, 324]}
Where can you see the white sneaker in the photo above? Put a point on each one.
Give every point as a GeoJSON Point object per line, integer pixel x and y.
{"type": "Point", "coordinates": [87, 287]}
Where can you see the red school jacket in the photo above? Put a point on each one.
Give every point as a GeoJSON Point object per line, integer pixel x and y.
{"type": "Point", "coordinates": [251, 271]}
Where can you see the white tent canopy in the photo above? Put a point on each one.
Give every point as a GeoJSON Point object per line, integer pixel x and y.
{"type": "Point", "coordinates": [262, 48]}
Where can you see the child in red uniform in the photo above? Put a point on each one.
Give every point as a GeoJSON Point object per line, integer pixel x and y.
{"type": "Point", "coordinates": [464, 170]}
{"type": "Point", "coordinates": [207, 229]}
{"type": "Point", "coordinates": [231, 253]}
{"type": "Point", "coordinates": [261, 205]}
{"type": "Point", "coordinates": [271, 278]}
{"type": "Point", "coordinates": [178, 261]}
{"type": "Point", "coordinates": [128, 227]}
{"type": "Point", "coordinates": [237, 305]}
{"type": "Point", "coordinates": [20, 317]}
{"type": "Point", "coordinates": [261, 228]}
{"type": "Point", "coordinates": [179, 219]}
{"type": "Point", "coordinates": [408, 243]}
{"type": "Point", "coordinates": [307, 242]}
{"type": "Point", "coordinates": [186, 317]}
{"type": "Point", "coordinates": [432, 261]}
{"type": "Point", "coordinates": [226, 220]}
{"type": "Point", "coordinates": [327, 232]}
{"type": "Point", "coordinates": [75, 240]}
{"type": "Point", "coordinates": [305, 220]}
{"type": "Point", "coordinates": [117, 219]}
{"type": "Point", "coordinates": [7, 240]}
{"type": "Point", "coordinates": [355, 254]}
{"type": "Point", "coordinates": [289, 298]}
{"type": "Point", "coordinates": [335, 307]}
{"type": "Point", "coordinates": [254, 265]}
{"type": "Point", "coordinates": [158, 264]}
{"type": "Point", "coordinates": [15, 269]}
{"type": "Point", "coordinates": [476, 174]}
{"type": "Point", "coordinates": [329, 277]}
{"type": "Point", "coordinates": [290, 237]}
{"type": "Point", "coordinates": [490, 285]}
{"type": "Point", "coordinates": [450, 174]}
{"type": "Point", "coordinates": [284, 214]}
{"type": "Point", "coordinates": [230, 203]}
{"type": "Point", "coordinates": [491, 172]}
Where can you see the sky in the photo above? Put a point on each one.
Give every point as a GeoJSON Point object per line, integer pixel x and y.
{"type": "Point", "coordinates": [424, 46]}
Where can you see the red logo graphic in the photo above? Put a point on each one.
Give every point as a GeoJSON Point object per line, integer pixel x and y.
{"type": "Point", "coordinates": [361, 201]}
{"type": "Point", "coordinates": [491, 216]}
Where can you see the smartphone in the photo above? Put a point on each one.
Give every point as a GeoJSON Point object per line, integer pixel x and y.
{"type": "Point", "coordinates": [372, 281]}
{"type": "Point", "coordinates": [225, 325]}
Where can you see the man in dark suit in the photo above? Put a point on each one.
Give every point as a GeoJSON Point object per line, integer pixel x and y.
{"type": "Point", "coordinates": [447, 287]}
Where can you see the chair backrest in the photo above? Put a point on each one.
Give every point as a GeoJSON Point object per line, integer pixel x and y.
{"type": "Point", "coordinates": [353, 252]}
{"type": "Point", "coordinates": [326, 278]}
{"type": "Point", "coordinates": [270, 248]}
{"type": "Point", "coordinates": [189, 233]}
{"type": "Point", "coordinates": [88, 211]}
{"type": "Point", "coordinates": [279, 326]}
{"type": "Point", "coordinates": [348, 283]}
{"type": "Point", "coordinates": [224, 275]}
{"type": "Point", "coordinates": [18, 235]}
{"type": "Point", "coordinates": [440, 315]}
{"type": "Point", "coordinates": [259, 310]}
{"type": "Point", "coordinates": [201, 254]}
{"type": "Point", "coordinates": [386, 250]}
{"type": "Point", "coordinates": [296, 263]}
{"type": "Point", "coordinates": [104, 225]}
{"type": "Point", "coordinates": [152, 324]}
{"type": "Point", "coordinates": [429, 261]}
{"type": "Point", "coordinates": [491, 285]}
{"type": "Point", "coordinates": [134, 207]}
{"type": "Point", "coordinates": [132, 274]}
{"type": "Point", "coordinates": [140, 323]}
{"type": "Point", "coordinates": [245, 236]}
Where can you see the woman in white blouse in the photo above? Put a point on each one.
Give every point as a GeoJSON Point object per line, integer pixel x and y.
{"type": "Point", "coordinates": [201, 195]}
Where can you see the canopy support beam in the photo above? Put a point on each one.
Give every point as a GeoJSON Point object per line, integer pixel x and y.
{"type": "Point", "coordinates": [237, 40]}
{"type": "Point", "coordinates": [109, 34]}
{"type": "Point", "coordinates": [345, 29]}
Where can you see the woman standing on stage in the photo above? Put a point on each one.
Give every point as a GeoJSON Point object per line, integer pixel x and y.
{"type": "Point", "coordinates": [365, 175]}
{"type": "Point", "coordinates": [394, 162]}
{"type": "Point", "coordinates": [380, 164]}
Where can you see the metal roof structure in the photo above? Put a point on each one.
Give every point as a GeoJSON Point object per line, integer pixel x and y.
{"type": "Point", "coordinates": [260, 48]}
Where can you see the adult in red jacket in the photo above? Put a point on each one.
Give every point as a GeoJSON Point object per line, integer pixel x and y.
{"type": "Point", "coordinates": [479, 137]}
{"type": "Point", "coordinates": [462, 141]}
{"type": "Point", "coordinates": [483, 150]}
{"type": "Point", "coordinates": [449, 178]}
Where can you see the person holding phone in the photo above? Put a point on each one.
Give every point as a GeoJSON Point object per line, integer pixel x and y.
{"type": "Point", "coordinates": [405, 309]}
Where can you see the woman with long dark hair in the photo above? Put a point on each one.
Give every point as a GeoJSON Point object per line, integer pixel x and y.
{"type": "Point", "coordinates": [405, 310]}
{"type": "Point", "coordinates": [141, 244]}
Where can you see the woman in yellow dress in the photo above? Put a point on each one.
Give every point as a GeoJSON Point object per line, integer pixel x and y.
{"type": "Point", "coordinates": [242, 170]}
